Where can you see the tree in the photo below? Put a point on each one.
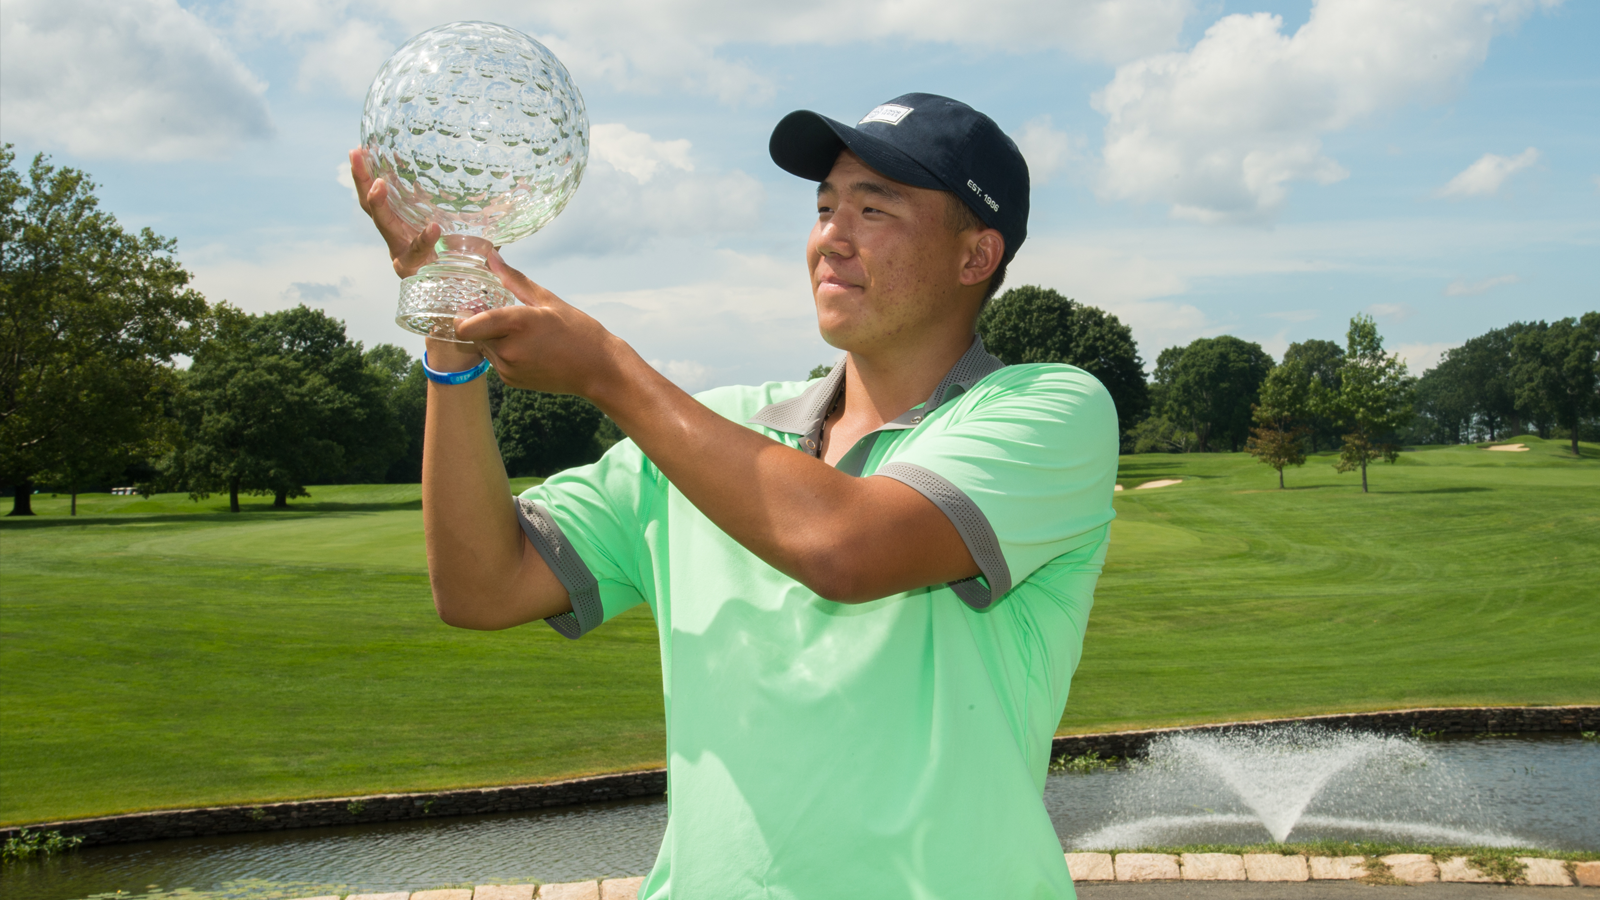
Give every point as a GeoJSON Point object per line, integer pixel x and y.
{"type": "Point", "coordinates": [1032, 324]}
{"type": "Point", "coordinates": [541, 434]}
{"type": "Point", "coordinates": [116, 434]}
{"type": "Point", "coordinates": [275, 402]}
{"type": "Point", "coordinates": [406, 389]}
{"type": "Point", "coordinates": [820, 370]}
{"type": "Point", "coordinates": [1444, 404]}
{"type": "Point", "coordinates": [1373, 399]}
{"type": "Point", "coordinates": [1485, 379]}
{"type": "Point", "coordinates": [1211, 385]}
{"type": "Point", "coordinates": [1556, 368]}
{"type": "Point", "coordinates": [91, 317]}
{"type": "Point", "coordinates": [1159, 434]}
{"type": "Point", "coordinates": [1319, 362]}
{"type": "Point", "coordinates": [1280, 433]}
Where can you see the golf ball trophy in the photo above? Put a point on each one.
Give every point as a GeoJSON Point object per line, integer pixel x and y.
{"type": "Point", "coordinates": [479, 128]}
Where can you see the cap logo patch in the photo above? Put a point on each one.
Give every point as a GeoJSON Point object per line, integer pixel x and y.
{"type": "Point", "coordinates": [888, 112]}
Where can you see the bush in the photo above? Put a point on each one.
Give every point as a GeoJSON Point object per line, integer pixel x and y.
{"type": "Point", "coordinates": [29, 844]}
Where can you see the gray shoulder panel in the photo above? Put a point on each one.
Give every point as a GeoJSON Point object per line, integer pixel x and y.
{"type": "Point", "coordinates": [971, 524]}
{"type": "Point", "coordinates": [569, 569]}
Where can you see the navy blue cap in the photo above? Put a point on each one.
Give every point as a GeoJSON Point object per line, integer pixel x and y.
{"type": "Point", "coordinates": [923, 140]}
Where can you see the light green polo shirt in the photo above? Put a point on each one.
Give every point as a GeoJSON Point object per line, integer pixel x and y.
{"type": "Point", "coordinates": [889, 749]}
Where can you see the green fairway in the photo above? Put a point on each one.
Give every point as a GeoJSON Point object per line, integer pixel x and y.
{"type": "Point", "coordinates": [162, 653]}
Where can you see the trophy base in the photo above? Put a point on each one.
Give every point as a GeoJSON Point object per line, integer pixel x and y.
{"type": "Point", "coordinates": [453, 288]}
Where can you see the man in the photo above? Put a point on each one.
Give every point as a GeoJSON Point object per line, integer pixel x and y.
{"type": "Point", "coordinates": [871, 589]}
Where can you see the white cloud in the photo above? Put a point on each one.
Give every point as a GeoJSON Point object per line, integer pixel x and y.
{"type": "Point", "coordinates": [353, 282]}
{"type": "Point", "coordinates": [736, 319]}
{"type": "Point", "coordinates": [653, 46]}
{"type": "Point", "coordinates": [1121, 281]}
{"type": "Point", "coordinates": [346, 59]}
{"type": "Point", "coordinates": [1220, 131]}
{"type": "Point", "coordinates": [1045, 148]}
{"type": "Point", "coordinates": [285, 18]}
{"type": "Point", "coordinates": [1487, 174]}
{"type": "Point", "coordinates": [1395, 311]}
{"type": "Point", "coordinates": [689, 374]}
{"type": "Point", "coordinates": [344, 176]}
{"type": "Point", "coordinates": [1420, 358]}
{"type": "Point", "coordinates": [142, 79]}
{"type": "Point", "coordinates": [637, 189]}
{"type": "Point", "coordinates": [637, 153]}
{"type": "Point", "coordinates": [1463, 288]}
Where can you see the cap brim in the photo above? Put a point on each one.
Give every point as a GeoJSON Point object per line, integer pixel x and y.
{"type": "Point", "coordinates": [807, 144]}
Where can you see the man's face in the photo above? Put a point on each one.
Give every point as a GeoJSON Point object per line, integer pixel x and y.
{"type": "Point", "coordinates": [885, 264]}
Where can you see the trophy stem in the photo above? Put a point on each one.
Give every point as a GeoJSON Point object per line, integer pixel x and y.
{"type": "Point", "coordinates": [457, 285]}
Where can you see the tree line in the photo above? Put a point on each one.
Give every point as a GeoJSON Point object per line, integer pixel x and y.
{"type": "Point", "coordinates": [95, 319]}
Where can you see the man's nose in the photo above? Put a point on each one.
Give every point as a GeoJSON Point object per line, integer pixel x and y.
{"type": "Point", "coordinates": [836, 236]}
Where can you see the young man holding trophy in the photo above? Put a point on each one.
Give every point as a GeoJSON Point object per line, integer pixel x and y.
{"type": "Point", "coordinates": [871, 589]}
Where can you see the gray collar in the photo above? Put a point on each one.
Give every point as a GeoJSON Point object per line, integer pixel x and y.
{"type": "Point", "coordinates": [805, 415]}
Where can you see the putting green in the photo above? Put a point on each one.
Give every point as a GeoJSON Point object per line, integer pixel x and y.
{"type": "Point", "coordinates": [163, 653]}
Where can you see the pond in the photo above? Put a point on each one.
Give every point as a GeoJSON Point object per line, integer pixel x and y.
{"type": "Point", "coordinates": [1530, 791]}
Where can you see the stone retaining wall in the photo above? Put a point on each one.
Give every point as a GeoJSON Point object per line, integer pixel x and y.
{"type": "Point", "coordinates": [1445, 720]}
{"type": "Point", "coordinates": [176, 823]}
{"type": "Point", "coordinates": [146, 826]}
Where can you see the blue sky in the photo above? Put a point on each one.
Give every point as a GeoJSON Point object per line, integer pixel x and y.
{"type": "Point", "coordinates": [1262, 169]}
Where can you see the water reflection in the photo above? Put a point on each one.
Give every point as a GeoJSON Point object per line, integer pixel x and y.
{"type": "Point", "coordinates": [1541, 791]}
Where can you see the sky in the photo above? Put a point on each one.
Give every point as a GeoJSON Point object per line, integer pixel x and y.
{"type": "Point", "coordinates": [1200, 167]}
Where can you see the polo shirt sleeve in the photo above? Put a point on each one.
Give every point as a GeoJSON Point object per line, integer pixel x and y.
{"type": "Point", "coordinates": [586, 524]}
{"type": "Point", "coordinates": [1024, 464]}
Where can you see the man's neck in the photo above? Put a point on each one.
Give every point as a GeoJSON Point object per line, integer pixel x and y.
{"type": "Point", "coordinates": [879, 386]}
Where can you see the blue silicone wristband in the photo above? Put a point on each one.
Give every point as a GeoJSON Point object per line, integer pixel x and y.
{"type": "Point", "coordinates": [438, 377]}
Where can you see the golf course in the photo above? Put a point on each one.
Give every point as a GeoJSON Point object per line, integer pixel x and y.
{"type": "Point", "coordinates": [166, 653]}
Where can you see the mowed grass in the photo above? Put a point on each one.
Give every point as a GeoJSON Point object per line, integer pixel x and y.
{"type": "Point", "coordinates": [1466, 576]}
{"type": "Point", "coordinates": [173, 656]}
{"type": "Point", "coordinates": [162, 653]}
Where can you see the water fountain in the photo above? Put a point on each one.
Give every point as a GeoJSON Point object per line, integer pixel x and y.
{"type": "Point", "coordinates": [1249, 786]}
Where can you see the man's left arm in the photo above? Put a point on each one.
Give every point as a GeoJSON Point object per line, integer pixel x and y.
{"type": "Point", "coordinates": [848, 539]}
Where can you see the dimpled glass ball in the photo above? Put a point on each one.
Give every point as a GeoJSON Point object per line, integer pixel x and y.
{"type": "Point", "coordinates": [477, 127]}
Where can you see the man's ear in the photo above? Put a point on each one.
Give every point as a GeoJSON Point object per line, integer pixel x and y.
{"type": "Point", "coordinates": [985, 248]}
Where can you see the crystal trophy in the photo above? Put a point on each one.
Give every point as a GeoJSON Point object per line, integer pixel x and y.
{"type": "Point", "coordinates": [479, 128]}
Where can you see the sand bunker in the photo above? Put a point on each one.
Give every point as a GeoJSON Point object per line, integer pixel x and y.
{"type": "Point", "coordinates": [1508, 448]}
{"type": "Point", "coordinates": [1163, 482]}
{"type": "Point", "coordinates": [1117, 488]}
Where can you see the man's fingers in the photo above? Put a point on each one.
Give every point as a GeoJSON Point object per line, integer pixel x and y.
{"type": "Point", "coordinates": [521, 286]}
{"type": "Point", "coordinates": [487, 327]}
{"type": "Point", "coordinates": [360, 175]}
{"type": "Point", "coordinates": [418, 252]}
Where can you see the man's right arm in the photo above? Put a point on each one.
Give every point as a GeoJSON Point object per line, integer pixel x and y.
{"type": "Point", "coordinates": [484, 572]}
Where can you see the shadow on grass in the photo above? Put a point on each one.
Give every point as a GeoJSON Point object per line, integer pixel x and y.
{"type": "Point", "coordinates": [1463, 489]}
{"type": "Point", "coordinates": [248, 514]}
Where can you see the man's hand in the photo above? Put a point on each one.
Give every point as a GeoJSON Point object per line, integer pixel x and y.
{"type": "Point", "coordinates": [409, 249]}
{"type": "Point", "coordinates": [542, 343]}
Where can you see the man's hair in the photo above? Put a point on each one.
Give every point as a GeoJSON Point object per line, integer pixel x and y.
{"type": "Point", "coordinates": [959, 217]}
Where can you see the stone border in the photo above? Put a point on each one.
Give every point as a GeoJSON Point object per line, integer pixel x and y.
{"type": "Point", "coordinates": [1399, 868]}
{"type": "Point", "coordinates": [208, 821]}
{"type": "Point", "coordinates": [609, 889]}
{"type": "Point", "coordinates": [1402, 868]}
{"type": "Point", "coordinates": [1440, 720]}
